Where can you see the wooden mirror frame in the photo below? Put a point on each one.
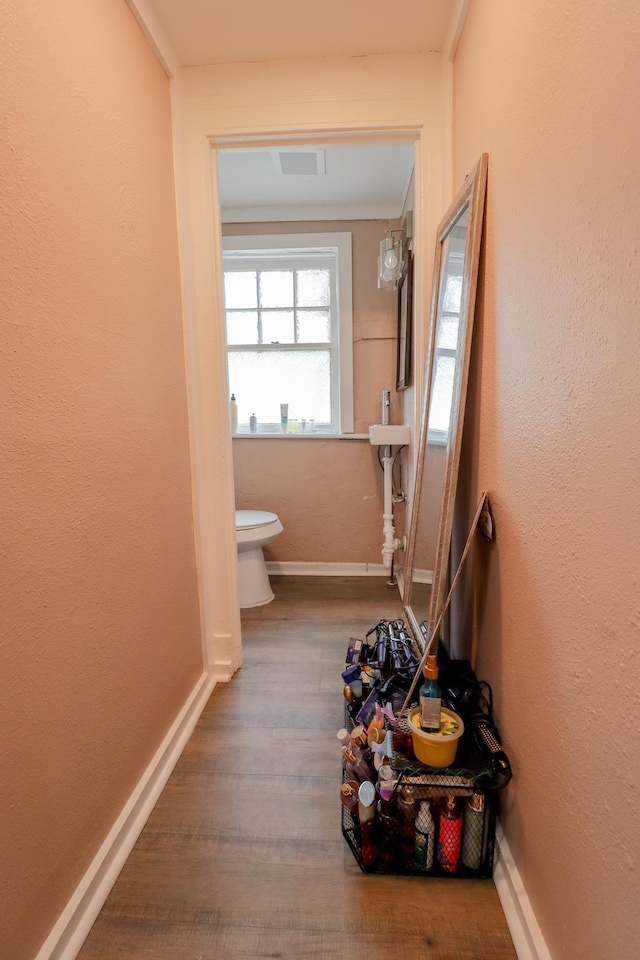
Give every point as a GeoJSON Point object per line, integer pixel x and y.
{"type": "Point", "coordinates": [405, 323]}
{"type": "Point", "coordinates": [471, 197]}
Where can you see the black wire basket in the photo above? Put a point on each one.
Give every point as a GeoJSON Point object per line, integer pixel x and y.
{"type": "Point", "coordinates": [458, 835]}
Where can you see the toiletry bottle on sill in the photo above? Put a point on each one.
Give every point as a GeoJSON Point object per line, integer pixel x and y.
{"type": "Point", "coordinates": [449, 836]}
{"type": "Point", "coordinates": [430, 697]}
{"type": "Point", "coordinates": [253, 423]}
{"type": "Point", "coordinates": [234, 413]}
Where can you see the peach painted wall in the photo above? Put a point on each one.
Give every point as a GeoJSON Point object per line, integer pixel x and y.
{"type": "Point", "coordinates": [552, 92]}
{"type": "Point", "coordinates": [329, 493]}
{"type": "Point", "coordinates": [100, 628]}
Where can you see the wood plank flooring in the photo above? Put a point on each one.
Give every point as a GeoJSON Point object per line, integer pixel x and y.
{"type": "Point", "coordinates": [243, 858]}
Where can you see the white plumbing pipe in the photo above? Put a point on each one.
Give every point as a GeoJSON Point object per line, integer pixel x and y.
{"type": "Point", "coordinates": [390, 544]}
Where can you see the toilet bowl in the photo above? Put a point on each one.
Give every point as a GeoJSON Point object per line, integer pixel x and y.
{"type": "Point", "coordinates": [254, 529]}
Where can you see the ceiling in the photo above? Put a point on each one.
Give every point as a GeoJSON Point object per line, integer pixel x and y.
{"type": "Point", "coordinates": [359, 181]}
{"type": "Point", "coordinates": [206, 32]}
{"type": "Point", "coordinates": [352, 182]}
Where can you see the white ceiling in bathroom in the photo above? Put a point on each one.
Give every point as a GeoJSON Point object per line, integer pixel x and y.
{"type": "Point", "coordinates": [205, 32]}
{"type": "Point", "coordinates": [332, 182]}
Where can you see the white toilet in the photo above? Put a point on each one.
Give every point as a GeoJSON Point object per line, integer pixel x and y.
{"type": "Point", "coordinates": [254, 530]}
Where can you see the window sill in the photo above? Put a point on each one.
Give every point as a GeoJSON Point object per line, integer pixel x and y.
{"type": "Point", "coordinates": [299, 436]}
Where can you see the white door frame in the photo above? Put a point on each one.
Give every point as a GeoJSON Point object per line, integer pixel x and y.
{"type": "Point", "coordinates": [224, 107]}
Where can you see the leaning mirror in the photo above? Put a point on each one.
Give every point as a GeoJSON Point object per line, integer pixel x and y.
{"type": "Point", "coordinates": [446, 373]}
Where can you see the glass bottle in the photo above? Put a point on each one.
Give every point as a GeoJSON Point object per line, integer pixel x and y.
{"type": "Point", "coordinates": [366, 815]}
{"type": "Point", "coordinates": [449, 836]}
{"type": "Point", "coordinates": [425, 837]}
{"type": "Point", "coordinates": [406, 811]}
{"type": "Point", "coordinates": [357, 767]}
{"type": "Point", "coordinates": [359, 736]}
{"type": "Point", "coordinates": [430, 697]}
{"type": "Point", "coordinates": [343, 737]}
{"type": "Point", "coordinates": [388, 832]}
{"type": "Point", "coordinates": [406, 803]}
{"type": "Point", "coordinates": [349, 796]}
{"type": "Point", "coordinates": [472, 852]}
{"type": "Point", "coordinates": [385, 782]}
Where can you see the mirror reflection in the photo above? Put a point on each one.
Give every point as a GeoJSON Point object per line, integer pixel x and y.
{"type": "Point", "coordinates": [453, 301]}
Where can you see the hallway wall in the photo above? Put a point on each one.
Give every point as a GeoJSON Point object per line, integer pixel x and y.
{"type": "Point", "coordinates": [551, 91]}
{"type": "Point", "coordinates": [100, 625]}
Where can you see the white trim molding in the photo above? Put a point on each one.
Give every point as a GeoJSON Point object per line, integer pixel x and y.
{"type": "Point", "coordinates": [148, 22]}
{"type": "Point", "coordinates": [77, 918]}
{"type": "Point", "coordinates": [455, 28]}
{"type": "Point", "coordinates": [291, 568]}
{"type": "Point", "coordinates": [523, 926]}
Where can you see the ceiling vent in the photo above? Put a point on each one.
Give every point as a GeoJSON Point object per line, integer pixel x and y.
{"type": "Point", "coordinates": [308, 163]}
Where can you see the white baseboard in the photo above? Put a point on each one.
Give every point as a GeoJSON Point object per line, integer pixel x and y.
{"type": "Point", "coordinates": [523, 926]}
{"type": "Point", "coordinates": [77, 918]}
{"type": "Point", "coordinates": [289, 568]}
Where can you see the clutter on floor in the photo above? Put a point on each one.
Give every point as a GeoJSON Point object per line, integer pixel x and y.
{"type": "Point", "coordinates": [422, 764]}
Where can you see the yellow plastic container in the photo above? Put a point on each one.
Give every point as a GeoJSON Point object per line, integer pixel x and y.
{"type": "Point", "coordinates": [436, 749]}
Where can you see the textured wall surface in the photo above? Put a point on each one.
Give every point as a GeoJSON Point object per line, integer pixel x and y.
{"type": "Point", "coordinates": [99, 619]}
{"type": "Point", "coordinates": [552, 92]}
{"type": "Point", "coordinates": [329, 493]}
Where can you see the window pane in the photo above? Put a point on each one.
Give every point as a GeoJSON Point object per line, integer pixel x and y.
{"type": "Point", "coordinates": [262, 380]}
{"type": "Point", "coordinates": [242, 326]}
{"type": "Point", "coordinates": [448, 332]}
{"type": "Point", "coordinates": [240, 290]}
{"type": "Point", "coordinates": [452, 293]}
{"type": "Point", "coordinates": [442, 394]}
{"type": "Point", "coordinates": [314, 289]}
{"type": "Point", "coordinates": [276, 288]}
{"type": "Point", "coordinates": [277, 326]}
{"type": "Point", "coordinates": [314, 326]}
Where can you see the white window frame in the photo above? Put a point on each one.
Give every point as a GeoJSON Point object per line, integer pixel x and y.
{"type": "Point", "coordinates": [287, 249]}
{"type": "Point", "coordinates": [435, 436]}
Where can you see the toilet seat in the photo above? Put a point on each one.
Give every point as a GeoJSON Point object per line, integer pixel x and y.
{"type": "Point", "coordinates": [253, 519]}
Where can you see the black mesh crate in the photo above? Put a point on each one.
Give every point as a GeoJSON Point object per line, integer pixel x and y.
{"type": "Point", "coordinates": [461, 802]}
{"type": "Point", "coordinates": [390, 846]}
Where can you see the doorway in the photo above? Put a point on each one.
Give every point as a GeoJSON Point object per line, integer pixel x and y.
{"type": "Point", "coordinates": [273, 195]}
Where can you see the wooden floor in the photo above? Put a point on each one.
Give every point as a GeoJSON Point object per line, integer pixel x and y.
{"type": "Point", "coordinates": [243, 856]}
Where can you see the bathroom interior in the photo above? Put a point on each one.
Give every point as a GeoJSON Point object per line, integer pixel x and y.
{"type": "Point", "coordinates": [320, 489]}
{"type": "Point", "coordinates": [326, 486]}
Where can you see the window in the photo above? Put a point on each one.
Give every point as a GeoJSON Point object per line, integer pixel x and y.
{"type": "Point", "coordinates": [289, 330]}
{"type": "Point", "coordinates": [447, 336]}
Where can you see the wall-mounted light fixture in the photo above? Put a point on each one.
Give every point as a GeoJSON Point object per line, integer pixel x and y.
{"type": "Point", "coordinates": [390, 259]}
